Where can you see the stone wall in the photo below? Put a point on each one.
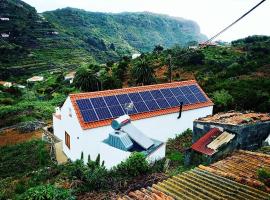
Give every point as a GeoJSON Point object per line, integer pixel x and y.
{"type": "Point", "coordinates": [248, 136]}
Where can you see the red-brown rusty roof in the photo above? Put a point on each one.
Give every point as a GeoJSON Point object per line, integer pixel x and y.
{"type": "Point", "coordinates": [201, 144]}
{"type": "Point", "coordinates": [87, 125]}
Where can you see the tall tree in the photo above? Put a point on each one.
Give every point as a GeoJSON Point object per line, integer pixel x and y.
{"type": "Point", "coordinates": [86, 79]}
{"type": "Point", "coordinates": [143, 73]}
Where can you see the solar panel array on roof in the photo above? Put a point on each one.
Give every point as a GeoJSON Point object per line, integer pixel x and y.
{"type": "Point", "coordinates": [107, 107]}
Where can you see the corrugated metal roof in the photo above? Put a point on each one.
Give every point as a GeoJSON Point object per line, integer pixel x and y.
{"type": "Point", "coordinates": [224, 138]}
{"type": "Point", "coordinates": [201, 144]}
{"type": "Point", "coordinates": [87, 125]}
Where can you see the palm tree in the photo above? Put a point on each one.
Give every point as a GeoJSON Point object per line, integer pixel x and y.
{"type": "Point", "coordinates": [86, 79]}
{"type": "Point", "coordinates": [143, 73]}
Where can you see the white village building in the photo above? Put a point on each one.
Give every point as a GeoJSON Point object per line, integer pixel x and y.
{"type": "Point", "coordinates": [4, 18]}
{"type": "Point", "coordinates": [4, 35]}
{"type": "Point", "coordinates": [70, 76]}
{"type": "Point", "coordinates": [6, 84]}
{"type": "Point", "coordinates": [35, 79]}
{"type": "Point", "coordinates": [135, 55]}
{"type": "Point", "coordinates": [87, 121]}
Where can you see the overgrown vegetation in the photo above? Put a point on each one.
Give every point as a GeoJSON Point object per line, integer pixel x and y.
{"type": "Point", "coordinates": [27, 173]}
{"type": "Point", "coordinates": [23, 158]}
{"type": "Point", "coordinates": [48, 192]}
{"type": "Point", "coordinates": [264, 176]}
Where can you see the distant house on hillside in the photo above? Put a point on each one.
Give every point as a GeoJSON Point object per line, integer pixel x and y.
{"type": "Point", "coordinates": [35, 79]}
{"type": "Point", "coordinates": [193, 47]}
{"type": "Point", "coordinates": [20, 86]}
{"type": "Point", "coordinates": [70, 76]}
{"type": "Point", "coordinates": [210, 44]}
{"type": "Point", "coordinates": [6, 84]}
{"type": "Point", "coordinates": [4, 18]}
{"type": "Point", "coordinates": [147, 117]}
{"type": "Point", "coordinates": [4, 35]}
{"type": "Point", "coordinates": [55, 33]}
{"type": "Point", "coordinates": [135, 55]}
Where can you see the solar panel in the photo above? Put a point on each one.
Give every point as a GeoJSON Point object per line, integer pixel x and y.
{"type": "Point", "coordinates": [101, 108]}
{"type": "Point", "coordinates": [183, 99]}
{"type": "Point", "coordinates": [176, 91]}
{"type": "Point", "coordinates": [166, 93]}
{"type": "Point", "coordinates": [89, 115]}
{"type": "Point", "coordinates": [123, 98]}
{"type": "Point", "coordinates": [135, 97]}
{"type": "Point", "coordinates": [141, 107]}
{"type": "Point", "coordinates": [185, 90]}
{"type": "Point", "coordinates": [111, 100]}
{"type": "Point", "coordinates": [116, 111]}
{"type": "Point", "coordinates": [98, 102]}
{"type": "Point", "coordinates": [103, 113]}
{"type": "Point", "coordinates": [152, 105]}
{"type": "Point", "coordinates": [173, 101]}
{"type": "Point", "coordinates": [146, 96]}
{"type": "Point", "coordinates": [156, 94]}
{"type": "Point", "coordinates": [194, 89]}
{"type": "Point", "coordinates": [162, 103]}
{"type": "Point", "coordinates": [201, 97]}
{"type": "Point", "coordinates": [84, 104]}
{"type": "Point", "coordinates": [191, 98]}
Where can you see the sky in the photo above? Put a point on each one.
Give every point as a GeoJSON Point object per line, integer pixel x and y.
{"type": "Point", "coordinates": [211, 15]}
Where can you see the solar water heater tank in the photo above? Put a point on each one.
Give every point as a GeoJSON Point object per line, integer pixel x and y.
{"type": "Point", "coordinates": [120, 122]}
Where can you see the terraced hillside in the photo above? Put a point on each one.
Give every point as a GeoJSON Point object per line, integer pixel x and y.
{"type": "Point", "coordinates": [66, 38]}
{"type": "Point", "coordinates": [242, 167]}
{"type": "Point", "coordinates": [33, 44]}
{"type": "Point", "coordinates": [198, 184]}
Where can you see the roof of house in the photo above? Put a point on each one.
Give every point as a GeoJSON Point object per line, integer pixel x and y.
{"type": "Point", "coordinates": [242, 166]}
{"type": "Point", "coordinates": [4, 82]}
{"type": "Point", "coordinates": [236, 118]}
{"type": "Point", "coordinates": [201, 144]}
{"type": "Point", "coordinates": [35, 78]}
{"type": "Point", "coordinates": [214, 182]}
{"type": "Point", "coordinates": [70, 75]}
{"type": "Point", "coordinates": [148, 114]}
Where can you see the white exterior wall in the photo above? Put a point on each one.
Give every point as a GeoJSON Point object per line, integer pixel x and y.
{"type": "Point", "coordinates": [90, 141]}
{"type": "Point", "coordinates": [157, 154]}
{"type": "Point", "coordinates": [164, 127]}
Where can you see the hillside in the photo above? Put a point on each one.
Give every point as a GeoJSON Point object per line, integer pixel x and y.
{"type": "Point", "coordinates": [125, 31]}
{"type": "Point", "coordinates": [68, 37]}
{"type": "Point", "coordinates": [235, 77]}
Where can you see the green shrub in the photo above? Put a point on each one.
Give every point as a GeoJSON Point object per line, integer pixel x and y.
{"type": "Point", "coordinates": [23, 158]}
{"type": "Point", "coordinates": [264, 176]}
{"type": "Point", "coordinates": [135, 165]}
{"type": "Point", "coordinates": [46, 192]}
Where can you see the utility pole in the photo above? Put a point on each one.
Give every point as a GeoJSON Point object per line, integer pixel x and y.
{"type": "Point", "coordinates": [170, 68]}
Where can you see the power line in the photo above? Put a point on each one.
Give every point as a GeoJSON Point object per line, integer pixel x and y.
{"type": "Point", "coordinates": [219, 33]}
{"type": "Point", "coordinates": [223, 30]}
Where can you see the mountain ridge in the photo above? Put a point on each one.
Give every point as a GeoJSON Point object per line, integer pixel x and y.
{"type": "Point", "coordinates": [69, 37]}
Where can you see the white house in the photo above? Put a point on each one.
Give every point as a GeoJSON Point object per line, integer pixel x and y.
{"type": "Point", "coordinates": [35, 79]}
{"type": "Point", "coordinates": [135, 55]}
{"type": "Point", "coordinates": [70, 76]}
{"type": "Point", "coordinates": [4, 35]}
{"type": "Point", "coordinates": [6, 84]}
{"type": "Point", "coordinates": [4, 18]}
{"type": "Point", "coordinates": [157, 112]}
